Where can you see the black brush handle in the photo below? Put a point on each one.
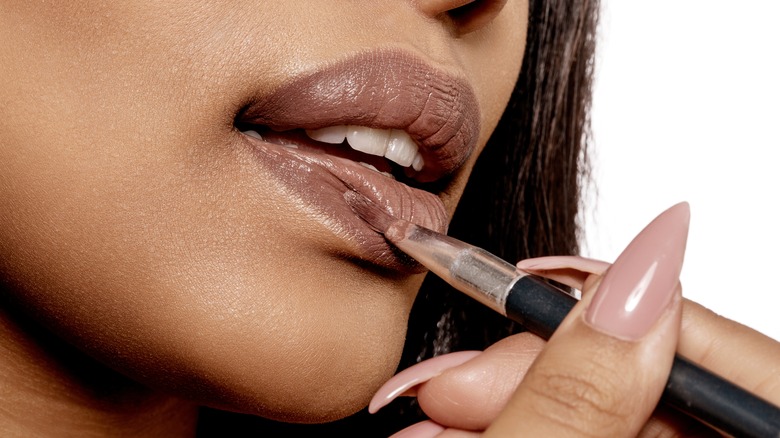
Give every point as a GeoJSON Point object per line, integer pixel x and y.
{"type": "Point", "coordinates": [540, 307]}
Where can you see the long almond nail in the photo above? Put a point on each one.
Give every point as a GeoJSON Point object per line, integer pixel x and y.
{"type": "Point", "coordinates": [407, 379]}
{"type": "Point", "coordinates": [641, 283]}
{"type": "Point", "coordinates": [552, 263]}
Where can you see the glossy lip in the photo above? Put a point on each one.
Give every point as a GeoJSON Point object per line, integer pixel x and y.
{"type": "Point", "coordinates": [380, 89]}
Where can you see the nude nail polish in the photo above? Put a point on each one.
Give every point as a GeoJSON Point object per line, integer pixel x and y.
{"type": "Point", "coordinates": [641, 284]}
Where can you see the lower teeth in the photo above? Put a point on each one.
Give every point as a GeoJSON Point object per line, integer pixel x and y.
{"type": "Point", "coordinates": [369, 166]}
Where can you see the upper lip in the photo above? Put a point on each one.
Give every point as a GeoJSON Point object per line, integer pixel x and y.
{"type": "Point", "coordinates": [381, 89]}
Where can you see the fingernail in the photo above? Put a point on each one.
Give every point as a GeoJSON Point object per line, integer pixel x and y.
{"type": "Point", "coordinates": [423, 429]}
{"type": "Point", "coordinates": [420, 373]}
{"type": "Point", "coordinates": [642, 282]}
{"type": "Point", "coordinates": [573, 271]}
{"type": "Point", "coordinates": [563, 262]}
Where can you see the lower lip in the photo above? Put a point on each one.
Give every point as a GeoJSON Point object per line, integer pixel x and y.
{"type": "Point", "coordinates": [318, 182]}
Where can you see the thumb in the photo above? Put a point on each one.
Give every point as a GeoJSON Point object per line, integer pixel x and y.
{"type": "Point", "coordinates": [604, 369]}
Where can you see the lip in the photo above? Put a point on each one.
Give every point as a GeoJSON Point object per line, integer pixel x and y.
{"type": "Point", "coordinates": [385, 89]}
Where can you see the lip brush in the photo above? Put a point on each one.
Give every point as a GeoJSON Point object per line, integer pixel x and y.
{"type": "Point", "coordinates": [540, 307]}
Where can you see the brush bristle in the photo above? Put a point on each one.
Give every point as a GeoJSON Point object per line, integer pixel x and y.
{"type": "Point", "coordinates": [371, 213]}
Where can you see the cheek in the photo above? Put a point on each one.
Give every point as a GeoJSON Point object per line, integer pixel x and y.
{"type": "Point", "coordinates": [134, 233]}
{"type": "Point", "coordinates": [495, 66]}
{"type": "Point", "coordinates": [492, 58]}
{"type": "Point", "coordinates": [186, 283]}
{"type": "Point", "coordinates": [254, 337]}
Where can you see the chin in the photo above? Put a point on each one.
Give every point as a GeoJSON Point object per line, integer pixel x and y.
{"type": "Point", "coordinates": [306, 359]}
{"type": "Point", "coordinates": [324, 386]}
{"type": "Point", "coordinates": [319, 391]}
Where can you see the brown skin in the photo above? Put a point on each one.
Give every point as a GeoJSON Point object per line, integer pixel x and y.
{"type": "Point", "coordinates": [133, 228]}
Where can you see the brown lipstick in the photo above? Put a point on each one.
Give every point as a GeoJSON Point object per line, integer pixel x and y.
{"type": "Point", "coordinates": [383, 90]}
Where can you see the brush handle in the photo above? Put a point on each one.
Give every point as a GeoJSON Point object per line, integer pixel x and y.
{"type": "Point", "coordinates": [540, 307]}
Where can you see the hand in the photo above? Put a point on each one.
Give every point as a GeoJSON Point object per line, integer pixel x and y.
{"type": "Point", "coordinates": [590, 379]}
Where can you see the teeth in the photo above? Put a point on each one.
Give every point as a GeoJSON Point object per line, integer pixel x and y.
{"type": "Point", "coordinates": [400, 148]}
{"type": "Point", "coordinates": [369, 166]}
{"type": "Point", "coordinates": [330, 134]}
{"type": "Point", "coordinates": [252, 133]}
{"type": "Point", "coordinates": [393, 144]}
{"type": "Point", "coordinates": [418, 163]}
{"type": "Point", "coordinates": [368, 140]}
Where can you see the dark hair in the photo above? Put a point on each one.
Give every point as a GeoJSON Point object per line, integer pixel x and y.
{"type": "Point", "coordinates": [521, 201]}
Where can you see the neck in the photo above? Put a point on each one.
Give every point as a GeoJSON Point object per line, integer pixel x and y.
{"type": "Point", "coordinates": [47, 387]}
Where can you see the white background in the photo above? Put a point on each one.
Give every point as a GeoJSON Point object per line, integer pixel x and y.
{"type": "Point", "coordinates": [687, 107]}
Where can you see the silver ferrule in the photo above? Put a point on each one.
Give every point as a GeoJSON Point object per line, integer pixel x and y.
{"type": "Point", "coordinates": [470, 269]}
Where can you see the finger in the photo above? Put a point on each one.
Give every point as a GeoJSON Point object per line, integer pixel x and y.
{"type": "Point", "coordinates": [732, 350]}
{"type": "Point", "coordinates": [604, 369]}
{"type": "Point", "coordinates": [471, 395]}
{"type": "Point", "coordinates": [575, 272]}
{"type": "Point", "coordinates": [729, 349]}
{"type": "Point", "coordinates": [669, 422]}
{"type": "Point", "coordinates": [420, 430]}
{"type": "Point", "coordinates": [449, 386]}
{"type": "Point", "coordinates": [429, 429]}
{"type": "Point", "coordinates": [406, 382]}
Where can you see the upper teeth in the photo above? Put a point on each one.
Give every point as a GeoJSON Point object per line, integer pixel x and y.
{"type": "Point", "coordinates": [393, 144]}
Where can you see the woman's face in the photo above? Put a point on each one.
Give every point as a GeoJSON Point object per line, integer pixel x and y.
{"type": "Point", "coordinates": [143, 226]}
